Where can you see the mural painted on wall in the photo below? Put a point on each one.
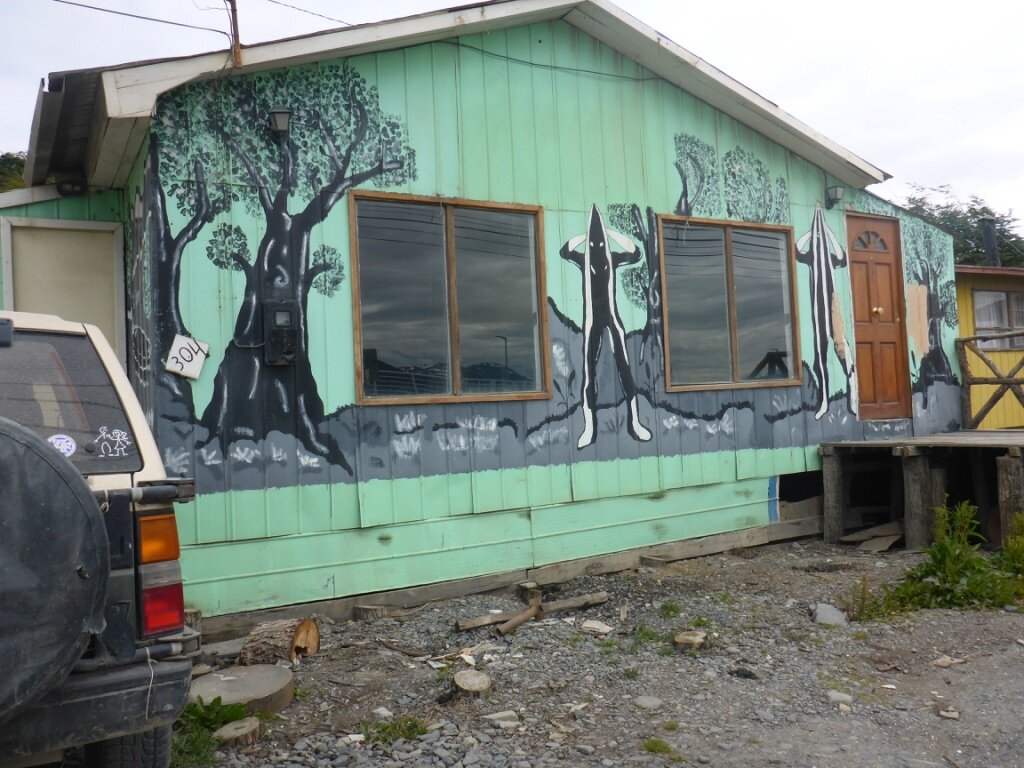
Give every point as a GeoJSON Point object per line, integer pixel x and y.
{"type": "Point", "coordinates": [213, 163]}
{"type": "Point", "coordinates": [213, 151]}
{"type": "Point", "coordinates": [750, 194]}
{"type": "Point", "coordinates": [820, 251]}
{"type": "Point", "coordinates": [697, 165]}
{"type": "Point", "coordinates": [928, 284]}
{"type": "Point", "coordinates": [598, 262]}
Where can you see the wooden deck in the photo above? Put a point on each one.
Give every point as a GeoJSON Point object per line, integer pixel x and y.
{"type": "Point", "coordinates": [976, 438]}
{"type": "Point", "coordinates": [918, 471]}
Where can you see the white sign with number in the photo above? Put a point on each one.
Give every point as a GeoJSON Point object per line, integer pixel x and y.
{"type": "Point", "coordinates": [187, 357]}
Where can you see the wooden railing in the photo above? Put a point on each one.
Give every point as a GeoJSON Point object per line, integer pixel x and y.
{"type": "Point", "coordinates": [1011, 381]}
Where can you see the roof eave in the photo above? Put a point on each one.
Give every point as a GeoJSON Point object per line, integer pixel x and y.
{"type": "Point", "coordinates": [128, 94]}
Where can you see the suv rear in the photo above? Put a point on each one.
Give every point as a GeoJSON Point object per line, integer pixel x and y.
{"type": "Point", "coordinates": [92, 631]}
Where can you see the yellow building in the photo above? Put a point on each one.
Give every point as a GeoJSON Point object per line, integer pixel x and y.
{"type": "Point", "coordinates": [990, 300]}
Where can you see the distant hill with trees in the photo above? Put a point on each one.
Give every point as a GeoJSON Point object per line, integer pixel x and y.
{"type": "Point", "coordinates": [12, 165]}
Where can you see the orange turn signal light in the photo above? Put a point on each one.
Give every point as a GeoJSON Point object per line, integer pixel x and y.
{"type": "Point", "coordinates": [158, 538]}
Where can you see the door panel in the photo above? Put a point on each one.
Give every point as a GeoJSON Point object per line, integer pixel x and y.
{"type": "Point", "coordinates": [69, 269]}
{"type": "Point", "coordinates": [866, 373]}
{"type": "Point", "coordinates": [876, 277]}
{"type": "Point", "coordinates": [859, 278]}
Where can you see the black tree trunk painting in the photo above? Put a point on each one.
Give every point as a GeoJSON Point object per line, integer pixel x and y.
{"type": "Point", "coordinates": [168, 251]}
{"type": "Point", "coordinates": [339, 139]}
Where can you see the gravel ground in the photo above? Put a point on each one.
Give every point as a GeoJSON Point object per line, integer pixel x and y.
{"type": "Point", "coordinates": [771, 688]}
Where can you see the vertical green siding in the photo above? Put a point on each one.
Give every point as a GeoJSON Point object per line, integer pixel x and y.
{"type": "Point", "coordinates": [538, 115]}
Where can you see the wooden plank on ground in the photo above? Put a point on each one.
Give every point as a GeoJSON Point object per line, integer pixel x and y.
{"type": "Point", "coordinates": [887, 529]}
{"type": "Point", "coordinates": [795, 529]}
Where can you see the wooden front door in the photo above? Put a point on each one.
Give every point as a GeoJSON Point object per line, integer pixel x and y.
{"type": "Point", "coordinates": [876, 274]}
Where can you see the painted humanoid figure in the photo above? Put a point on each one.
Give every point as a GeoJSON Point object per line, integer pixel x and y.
{"type": "Point", "coordinates": [598, 262]}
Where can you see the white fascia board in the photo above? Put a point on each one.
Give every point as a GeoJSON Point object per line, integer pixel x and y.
{"type": "Point", "coordinates": [27, 195]}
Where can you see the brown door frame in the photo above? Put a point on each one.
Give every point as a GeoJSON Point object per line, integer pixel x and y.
{"type": "Point", "coordinates": [903, 383]}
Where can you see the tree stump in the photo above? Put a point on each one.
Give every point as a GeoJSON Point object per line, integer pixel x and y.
{"type": "Point", "coordinates": [471, 683]}
{"type": "Point", "coordinates": [239, 733]}
{"type": "Point", "coordinates": [287, 639]}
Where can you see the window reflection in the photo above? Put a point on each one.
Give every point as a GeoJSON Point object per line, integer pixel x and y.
{"type": "Point", "coordinates": [763, 322]}
{"type": "Point", "coordinates": [709, 341]}
{"type": "Point", "coordinates": [697, 308]}
{"type": "Point", "coordinates": [497, 296]}
{"type": "Point", "coordinates": [405, 322]}
{"type": "Point", "coordinates": [403, 299]}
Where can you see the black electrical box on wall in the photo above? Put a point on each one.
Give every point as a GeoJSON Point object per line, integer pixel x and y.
{"type": "Point", "coordinates": [280, 332]}
{"type": "Point", "coordinates": [6, 332]}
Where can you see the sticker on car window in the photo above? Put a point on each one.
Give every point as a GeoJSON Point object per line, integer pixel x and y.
{"type": "Point", "coordinates": [112, 442]}
{"type": "Point", "coordinates": [63, 443]}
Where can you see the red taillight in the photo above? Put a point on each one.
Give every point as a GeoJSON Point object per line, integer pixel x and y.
{"type": "Point", "coordinates": [163, 609]}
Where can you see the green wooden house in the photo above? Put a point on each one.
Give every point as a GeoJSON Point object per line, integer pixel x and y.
{"type": "Point", "coordinates": [476, 292]}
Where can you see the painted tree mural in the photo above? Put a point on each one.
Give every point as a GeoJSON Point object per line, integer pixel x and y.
{"type": "Point", "coordinates": [184, 177]}
{"type": "Point", "coordinates": [697, 165]}
{"type": "Point", "coordinates": [339, 138]}
{"type": "Point", "coordinates": [750, 194]}
{"type": "Point", "coordinates": [925, 265]}
{"type": "Point", "coordinates": [642, 283]}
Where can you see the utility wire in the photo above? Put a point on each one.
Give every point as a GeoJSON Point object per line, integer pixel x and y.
{"type": "Point", "coordinates": [311, 13]}
{"type": "Point", "coordinates": [145, 18]}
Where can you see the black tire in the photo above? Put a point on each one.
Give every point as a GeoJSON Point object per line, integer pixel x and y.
{"type": "Point", "coordinates": [150, 749]}
{"type": "Point", "coordinates": [54, 566]}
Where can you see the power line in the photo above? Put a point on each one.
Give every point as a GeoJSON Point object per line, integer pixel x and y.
{"type": "Point", "coordinates": [311, 13]}
{"type": "Point", "coordinates": [144, 18]}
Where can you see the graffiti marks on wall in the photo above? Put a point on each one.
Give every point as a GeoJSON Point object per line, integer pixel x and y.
{"type": "Point", "coordinates": [598, 262]}
{"type": "Point", "coordinates": [820, 251]}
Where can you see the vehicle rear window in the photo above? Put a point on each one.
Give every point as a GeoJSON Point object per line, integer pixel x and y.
{"type": "Point", "coordinates": [55, 385]}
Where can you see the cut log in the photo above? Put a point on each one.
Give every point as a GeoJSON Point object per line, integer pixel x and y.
{"type": "Point", "coordinates": [262, 688]}
{"type": "Point", "coordinates": [239, 733]}
{"type": "Point", "coordinates": [583, 601]}
{"type": "Point", "coordinates": [194, 619]}
{"type": "Point", "coordinates": [369, 612]}
{"type": "Point", "coordinates": [287, 639]}
{"type": "Point", "coordinates": [533, 612]}
{"type": "Point", "coordinates": [470, 682]}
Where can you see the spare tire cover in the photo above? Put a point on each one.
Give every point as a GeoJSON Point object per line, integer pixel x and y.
{"type": "Point", "coordinates": [54, 565]}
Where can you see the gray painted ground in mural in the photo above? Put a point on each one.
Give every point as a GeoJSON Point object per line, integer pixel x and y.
{"type": "Point", "coordinates": [770, 687]}
{"type": "Point", "coordinates": [414, 441]}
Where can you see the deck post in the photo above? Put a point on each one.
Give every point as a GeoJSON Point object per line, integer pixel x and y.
{"type": "Point", "coordinates": [836, 500]}
{"type": "Point", "coordinates": [1010, 473]}
{"type": "Point", "coordinates": [917, 498]}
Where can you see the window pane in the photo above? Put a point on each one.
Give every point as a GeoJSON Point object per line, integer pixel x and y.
{"type": "Point", "coordinates": [497, 290]}
{"type": "Point", "coordinates": [696, 298]}
{"type": "Point", "coordinates": [991, 316]}
{"type": "Point", "coordinates": [55, 385]}
{"type": "Point", "coordinates": [403, 299]}
{"type": "Point", "coordinates": [760, 262]}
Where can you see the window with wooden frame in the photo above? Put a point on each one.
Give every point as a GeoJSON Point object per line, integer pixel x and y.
{"type": "Point", "coordinates": [728, 304]}
{"type": "Point", "coordinates": [449, 300]}
{"type": "Point", "coordinates": [999, 312]}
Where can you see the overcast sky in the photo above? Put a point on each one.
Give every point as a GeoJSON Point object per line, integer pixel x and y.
{"type": "Point", "coordinates": [926, 91]}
